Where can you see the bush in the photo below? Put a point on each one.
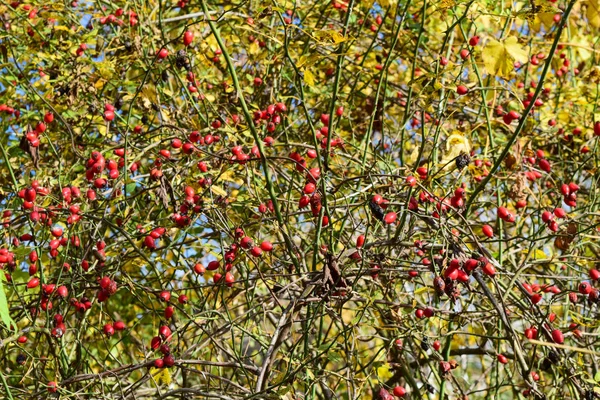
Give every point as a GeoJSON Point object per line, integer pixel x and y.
{"type": "Point", "coordinates": [299, 200]}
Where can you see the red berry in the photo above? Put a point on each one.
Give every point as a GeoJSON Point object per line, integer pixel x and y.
{"type": "Point", "coordinates": [474, 41]}
{"type": "Point", "coordinates": [399, 391]}
{"type": "Point", "coordinates": [547, 216]}
{"type": "Point", "coordinates": [188, 37]}
{"type": "Point", "coordinates": [503, 213]}
{"type": "Point", "coordinates": [109, 330]}
{"type": "Point", "coordinates": [585, 288]}
{"type": "Point", "coordinates": [360, 241]}
{"type": "Point", "coordinates": [163, 53]}
{"type": "Point", "coordinates": [462, 90]}
{"type": "Point", "coordinates": [488, 231]}
{"type": "Point", "coordinates": [560, 212]}
{"type": "Point", "coordinates": [390, 218]}
{"type": "Point", "coordinates": [52, 387]}
{"type": "Point", "coordinates": [489, 269]}
{"type": "Point", "coordinates": [109, 115]}
{"type": "Point", "coordinates": [545, 165]}
{"type": "Point", "coordinates": [266, 246]}
{"type": "Point", "coordinates": [199, 269]}
{"type": "Point", "coordinates": [502, 359]}
{"type": "Point", "coordinates": [558, 336]}
{"type": "Point", "coordinates": [33, 283]}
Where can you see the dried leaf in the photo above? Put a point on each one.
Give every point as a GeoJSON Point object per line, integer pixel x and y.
{"type": "Point", "coordinates": [34, 152]}
{"type": "Point", "coordinates": [165, 192]}
{"type": "Point", "coordinates": [518, 189]}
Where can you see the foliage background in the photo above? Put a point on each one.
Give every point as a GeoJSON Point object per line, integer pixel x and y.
{"type": "Point", "coordinates": [319, 316]}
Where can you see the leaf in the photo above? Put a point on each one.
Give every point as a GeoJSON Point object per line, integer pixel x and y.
{"type": "Point", "coordinates": [4, 312]}
{"type": "Point", "coordinates": [218, 191]}
{"type": "Point", "coordinates": [165, 191]}
{"type": "Point", "coordinates": [456, 144]}
{"type": "Point", "coordinates": [593, 13]}
{"type": "Point", "coordinates": [34, 152]}
{"type": "Point", "coordinates": [254, 48]}
{"type": "Point", "coordinates": [498, 58]}
{"type": "Point", "coordinates": [337, 37]}
{"type": "Point", "coordinates": [163, 376]}
{"type": "Point", "coordinates": [309, 78]}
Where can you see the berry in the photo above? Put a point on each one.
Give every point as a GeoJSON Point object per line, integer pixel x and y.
{"type": "Point", "coordinates": [399, 391]}
{"type": "Point", "coordinates": [558, 336]}
{"type": "Point", "coordinates": [487, 231]}
{"type": "Point", "coordinates": [188, 37]}
{"type": "Point", "coordinates": [462, 90]}
{"type": "Point", "coordinates": [162, 54]}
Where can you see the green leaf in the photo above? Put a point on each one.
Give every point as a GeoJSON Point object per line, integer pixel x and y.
{"type": "Point", "coordinates": [4, 312]}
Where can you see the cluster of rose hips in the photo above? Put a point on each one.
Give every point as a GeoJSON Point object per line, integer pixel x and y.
{"type": "Point", "coordinates": [214, 265]}
{"type": "Point", "coordinates": [48, 290]}
{"type": "Point", "coordinates": [460, 271]}
{"type": "Point", "coordinates": [7, 261]}
{"type": "Point", "coordinates": [153, 236]}
{"type": "Point", "coordinates": [96, 164]}
{"type": "Point", "coordinates": [108, 287]}
{"type": "Point", "coordinates": [323, 132]}
{"type": "Point", "coordinates": [160, 343]}
{"type": "Point", "coordinates": [569, 192]}
{"type": "Point", "coordinates": [458, 200]}
{"type": "Point", "coordinates": [271, 115]}
{"type": "Point", "coordinates": [11, 111]}
{"type": "Point", "coordinates": [165, 296]}
{"type": "Point", "coordinates": [586, 289]}
{"type": "Point", "coordinates": [110, 329]}
{"type": "Point", "coordinates": [548, 218]}
{"type": "Point", "coordinates": [33, 137]}
{"type": "Point", "coordinates": [378, 205]}
{"type": "Point", "coordinates": [113, 18]}
{"type": "Point", "coordinates": [535, 291]}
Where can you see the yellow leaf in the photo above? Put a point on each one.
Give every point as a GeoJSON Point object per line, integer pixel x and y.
{"type": "Point", "coordinates": [254, 48]}
{"type": "Point", "coordinates": [383, 372]}
{"type": "Point", "coordinates": [337, 37]}
{"type": "Point", "coordinates": [218, 191]}
{"type": "Point", "coordinates": [386, 3]}
{"type": "Point", "coordinates": [515, 50]}
{"type": "Point", "coordinates": [456, 144]}
{"type": "Point", "coordinates": [581, 47]}
{"type": "Point", "coordinates": [423, 289]}
{"type": "Point", "coordinates": [309, 78]}
{"type": "Point", "coordinates": [593, 13]}
{"type": "Point", "coordinates": [230, 176]}
{"type": "Point", "coordinates": [163, 376]}
{"type": "Point", "coordinates": [499, 58]}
